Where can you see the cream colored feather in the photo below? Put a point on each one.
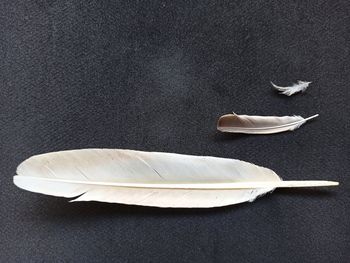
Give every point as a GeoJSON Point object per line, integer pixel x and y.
{"type": "Point", "coordinates": [149, 178]}
{"type": "Point", "coordinates": [260, 124]}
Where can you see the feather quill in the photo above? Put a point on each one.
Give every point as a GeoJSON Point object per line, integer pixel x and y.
{"type": "Point", "coordinates": [249, 124]}
{"type": "Point", "coordinates": [288, 91]}
{"type": "Point", "coordinates": [149, 178]}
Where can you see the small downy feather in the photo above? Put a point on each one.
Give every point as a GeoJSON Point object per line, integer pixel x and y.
{"type": "Point", "coordinates": [250, 124]}
{"type": "Point", "coordinates": [149, 178]}
{"type": "Point", "coordinates": [301, 86]}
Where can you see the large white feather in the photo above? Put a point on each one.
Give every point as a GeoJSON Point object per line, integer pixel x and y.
{"type": "Point", "coordinates": [259, 124]}
{"type": "Point", "coordinates": [148, 178]}
{"type": "Point", "coordinates": [300, 86]}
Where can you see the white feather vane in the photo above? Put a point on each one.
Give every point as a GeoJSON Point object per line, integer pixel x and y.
{"type": "Point", "coordinates": [301, 86]}
{"type": "Point", "coordinates": [250, 124]}
{"type": "Point", "coordinates": [149, 178]}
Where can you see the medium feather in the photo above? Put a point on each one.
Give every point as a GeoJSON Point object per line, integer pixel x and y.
{"type": "Point", "coordinates": [148, 178]}
{"type": "Point", "coordinates": [259, 124]}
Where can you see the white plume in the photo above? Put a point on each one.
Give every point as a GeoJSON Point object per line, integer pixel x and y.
{"type": "Point", "coordinates": [300, 86]}
{"type": "Point", "coordinates": [148, 178]}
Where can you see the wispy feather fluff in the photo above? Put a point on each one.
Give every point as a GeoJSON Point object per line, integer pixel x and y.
{"type": "Point", "coordinates": [300, 86]}
{"type": "Point", "coordinates": [149, 178]}
{"type": "Point", "coordinates": [259, 124]}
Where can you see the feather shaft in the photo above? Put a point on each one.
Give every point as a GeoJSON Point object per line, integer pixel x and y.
{"type": "Point", "coordinates": [311, 117]}
{"type": "Point", "coordinates": [198, 186]}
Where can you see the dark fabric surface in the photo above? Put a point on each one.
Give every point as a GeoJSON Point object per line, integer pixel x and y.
{"type": "Point", "coordinates": [155, 76]}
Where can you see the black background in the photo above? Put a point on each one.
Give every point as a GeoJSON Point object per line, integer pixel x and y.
{"type": "Point", "coordinates": [155, 76]}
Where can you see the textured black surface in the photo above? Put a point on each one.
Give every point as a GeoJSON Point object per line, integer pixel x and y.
{"type": "Point", "coordinates": [156, 75]}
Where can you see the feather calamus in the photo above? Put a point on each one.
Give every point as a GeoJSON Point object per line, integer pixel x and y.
{"type": "Point", "coordinates": [149, 178]}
